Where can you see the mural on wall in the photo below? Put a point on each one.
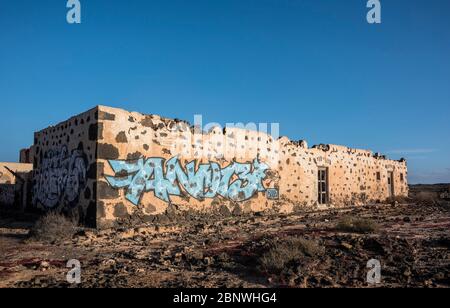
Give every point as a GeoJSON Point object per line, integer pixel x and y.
{"type": "Point", "coordinates": [61, 177]}
{"type": "Point", "coordinates": [208, 181]}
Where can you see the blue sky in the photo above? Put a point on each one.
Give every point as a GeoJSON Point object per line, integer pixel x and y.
{"type": "Point", "coordinates": [315, 66]}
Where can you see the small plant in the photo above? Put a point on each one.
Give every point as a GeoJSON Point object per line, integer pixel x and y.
{"type": "Point", "coordinates": [53, 227]}
{"type": "Point", "coordinates": [357, 225]}
{"type": "Point", "coordinates": [283, 251]}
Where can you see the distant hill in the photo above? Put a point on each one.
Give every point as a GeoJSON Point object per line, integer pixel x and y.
{"type": "Point", "coordinates": [438, 188]}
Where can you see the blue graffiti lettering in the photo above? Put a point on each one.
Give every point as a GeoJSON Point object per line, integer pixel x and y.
{"type": "Point", "coordinates": [237, 182]}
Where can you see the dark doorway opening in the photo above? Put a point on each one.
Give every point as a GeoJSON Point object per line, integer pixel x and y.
{"type": "Point", "coordinates": [391, 184]}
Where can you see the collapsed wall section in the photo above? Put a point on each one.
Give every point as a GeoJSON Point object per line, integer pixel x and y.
{"type": "Point", "coordinates": [13, 185]}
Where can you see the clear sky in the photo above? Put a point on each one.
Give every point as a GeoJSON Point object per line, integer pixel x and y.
{"type": "Point", "coordinates": [315, 66]}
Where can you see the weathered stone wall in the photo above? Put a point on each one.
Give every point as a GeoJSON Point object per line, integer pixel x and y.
{"type": "Point", "coordinates": [109, 166]}
{"type": "Point", "coordinates": [6, 177]}
{"type": "Point", "coordinates": [10, 186]}
{"type": "Point", "coordinates": [146, 163]}
{"type": "Point", "coordinates": [65, 168]}
{"type": "Point", "coordinates": [25, 156]}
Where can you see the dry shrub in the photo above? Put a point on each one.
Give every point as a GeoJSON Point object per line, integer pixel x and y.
{"type": "Point", "coordinates": [53, 227]}
{"type": "Point", "coordinates": [283, 251]}
{"type": "Point", "coordinates": [357, 225]}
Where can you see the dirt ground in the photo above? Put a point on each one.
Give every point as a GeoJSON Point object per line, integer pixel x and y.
{"type": "Point", "coordinates": [411, 242]}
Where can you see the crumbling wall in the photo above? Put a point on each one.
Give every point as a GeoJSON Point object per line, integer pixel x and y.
{"type": "Point", "coordinates": [65, 169]}
{"type": "Point", "coordinates": [12, 183]}
{"type": "Point", "coordinates": [147, 163]}
{"type": "Point", "coordinates": [109, 166]}
{"type": "Point", "coordinates": [25, 156]}
{"type": "Point", "coordinates": [7, 171]}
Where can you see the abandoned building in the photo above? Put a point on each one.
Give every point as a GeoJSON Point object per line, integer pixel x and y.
{"type": "Point", "coordinates": [14, 184]}
{"type": "Point", "coordinates": [108, 166]}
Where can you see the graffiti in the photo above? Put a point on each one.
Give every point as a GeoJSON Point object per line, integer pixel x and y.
{"type": "Point", "coordinates": [272, 194]}
{"type": "Point", "coordinates": [237, 182]}
{"type": "Point", "coordinates": [60, 178]}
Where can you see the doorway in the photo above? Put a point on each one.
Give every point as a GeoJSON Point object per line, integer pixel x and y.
{"type": "Point", "coordinates": [391, 184]}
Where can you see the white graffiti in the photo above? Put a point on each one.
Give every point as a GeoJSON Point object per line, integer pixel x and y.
{"type": "Point", "coordinates": [60, 178]}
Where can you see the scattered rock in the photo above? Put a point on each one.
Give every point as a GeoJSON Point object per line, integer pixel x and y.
{"type": "Point", "coordinates": [237, 211]}
{"type": "Point", "coordinates": [44, 266]}
{"type": "Point", "coordinates": [224, 211]}
{"type": "Point", "coordinates": [347, 246]}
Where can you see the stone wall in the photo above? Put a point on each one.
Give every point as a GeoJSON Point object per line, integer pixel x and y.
{"type": "Point", "coordinates": [65, 167]}
{"type": "Point", "coordinates": [10, 186]}
{"type": "Point", "coordinates": [6, 177]}
{"type": "Point", "coordinates": [147, 163]}
{"type": "Point", "coordinates": [110, 166]}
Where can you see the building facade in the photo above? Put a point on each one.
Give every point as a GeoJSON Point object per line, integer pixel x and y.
{"type": "Point", "coordinates": [108, 166]}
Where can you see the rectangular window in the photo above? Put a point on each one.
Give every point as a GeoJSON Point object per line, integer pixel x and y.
{"type": "Point", "coordinates": [378, 176]}
{"type": "Point", "coordinates": [323, 186]}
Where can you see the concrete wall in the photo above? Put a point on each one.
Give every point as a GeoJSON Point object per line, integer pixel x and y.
{"type": "Point", "coordinates": [147, 162]}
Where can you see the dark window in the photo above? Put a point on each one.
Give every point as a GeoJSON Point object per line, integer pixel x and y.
{"type": "Point", "coordinates": [401, 177]}
{"type": "Point", "coordinates": [323, 186]}
{"type": "Point", "coordinates": [378, 176]}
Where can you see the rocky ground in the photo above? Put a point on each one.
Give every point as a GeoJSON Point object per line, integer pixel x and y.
{"type": "Point", "coordinates": [411, 241]}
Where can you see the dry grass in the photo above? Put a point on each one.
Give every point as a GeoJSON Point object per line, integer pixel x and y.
{"type": "Point", "coordinates": [53, 227]}
{"type": "Point", "coordinates": [356, 225]}
{"type": "Point", "coordinates": [285, 250]}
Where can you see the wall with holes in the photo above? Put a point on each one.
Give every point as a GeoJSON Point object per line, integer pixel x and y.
{"type": "Point", "coordinates": [109, 166]}
{"type": "Point", "coordinates": [147, 163]}
{"type": "Point", "coordinates": [65, 167]}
